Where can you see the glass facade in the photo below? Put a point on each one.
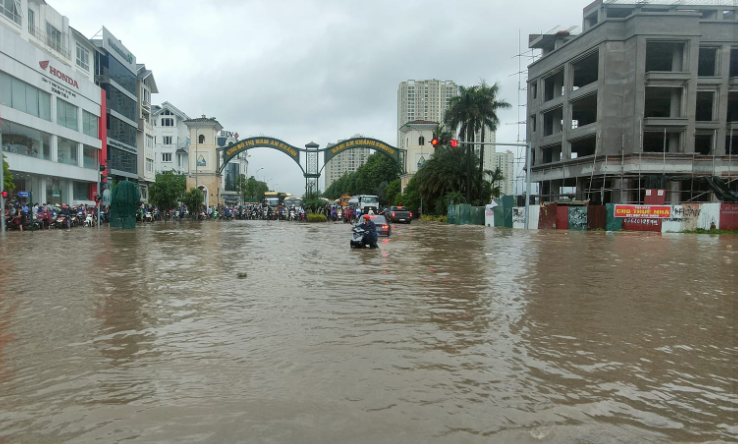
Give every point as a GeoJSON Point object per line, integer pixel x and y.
{"type": "Point", "coordinates": [66, 151]}
{"type": "Point", "coordinates": [81, 190]}
{"type": "Point", "coordinates": [89, 157]}
{"type": "Point", "coordinates": [24, 97]}
{"type": "Point", "coordinates": [90, 124]}
{"type": "Point", "coordinates": [119, 73]}
{"type": "Point", "coordinates": [121, 131]}
{"type": "Point", "coordinates": [231, 177]}
{"type": "Point", "coordinates": [120, 102]}
{"type": "Point", "coordinates": [20, 139]}
{"type": "Point", "coordinates": [122, 160]}
{"type": "Point", "coordinates": [54, 192]}
{"type": "Point", "coordinates": [66, 115]}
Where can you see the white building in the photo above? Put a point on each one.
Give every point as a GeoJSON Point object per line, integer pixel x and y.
{"type": "Point", "coordinates": [506, 163]}
{"type": "Point", "coordinates": [345, 162]}
{"type": "Point", "coordinates": [145, 87]}
{"type": "Point", "coordinates": [171, 138]}
{"type": "Point", "coordinates": [416, 136]}
{"type": "Point", "coordinates": [422, 100]}
{"type": "Point", "coordinates": [50, 106]}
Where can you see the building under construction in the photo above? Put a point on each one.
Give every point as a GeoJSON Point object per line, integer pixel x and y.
{"type": "Point", "coordinates": [646, 97]}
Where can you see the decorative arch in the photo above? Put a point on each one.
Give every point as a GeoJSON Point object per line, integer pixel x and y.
{"type": "Point", "coordinates": [236, 148]}
{"type": "Point", "coordinates": [363, 142]}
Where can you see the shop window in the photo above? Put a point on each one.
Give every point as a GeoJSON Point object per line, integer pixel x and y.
{"type": "Point", "coordinates": [66, 115]}
{"type": "Point", "coordinates": [26, 141]}
{"type": "Point", "coordinates": [90, 124]}
{"type": "Point", "coordinates": [89, 157]}
{"type": "Point", "coordinates": [66, 151]}
{"type": "Point", "coordinates": [23, 97]}
{"type": "Point", "coordinates": [81, 190]}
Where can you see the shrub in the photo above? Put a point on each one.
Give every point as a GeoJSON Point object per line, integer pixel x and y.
{"type": "Point", "coordinates": [317, 218]}
{"type": "Point", "coordinates": [431, 218]}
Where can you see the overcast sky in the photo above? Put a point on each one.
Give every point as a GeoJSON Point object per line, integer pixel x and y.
{"type": "Point", "coordinates": [318, 70]}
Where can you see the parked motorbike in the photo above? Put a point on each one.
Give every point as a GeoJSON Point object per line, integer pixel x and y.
{"type": "Point", "coordinates": [89, 220]}
{"type": "Point", "coordinates": [148, 217]}
{"type": "Point", "coordinates": [363, 239]}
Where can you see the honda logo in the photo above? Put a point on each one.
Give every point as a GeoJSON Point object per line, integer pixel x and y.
{"type": "Point", "coordinates": [44, 65]}
{"type": "Point", "coordinates": [60, 75]}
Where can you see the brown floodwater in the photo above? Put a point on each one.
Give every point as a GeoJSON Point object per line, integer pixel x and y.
{"type": "Point", "coordinates": [446, 334]}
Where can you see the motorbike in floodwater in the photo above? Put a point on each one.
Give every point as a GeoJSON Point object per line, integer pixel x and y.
{"type": "Point", "coordinates": [363, 239]}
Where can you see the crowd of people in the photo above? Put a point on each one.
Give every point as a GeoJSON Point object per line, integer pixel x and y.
{"type": "Point", "coordinates": [18, 215]}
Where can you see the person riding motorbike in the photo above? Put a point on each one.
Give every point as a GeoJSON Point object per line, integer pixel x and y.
{"type": "Point", "coordinates": [370, 231]}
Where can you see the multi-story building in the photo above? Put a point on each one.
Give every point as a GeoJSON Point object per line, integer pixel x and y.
{"type": "Point", "coordinates": [51, 109]}
{"type": "Point", "coordinates": [204, 162]}
{"type": "Point", "coordinates": [416, 137]}
{"type": "Point", "coordinates": [145, 87]}
{"type": "Point", "coordinates": [422, 100]}
{"type": "Point", "coordinates": [345, 162]}
{"type": "Point", "coordinates": [505, 161]}
{"type": "Point", "coordinates": [645, 97]}
{"type": "Point", "coordinates": [171, 138]}
{"type": "Point", "coordinates": [117, 74]}
{"type": "Point", "coordinates": [237, 166]}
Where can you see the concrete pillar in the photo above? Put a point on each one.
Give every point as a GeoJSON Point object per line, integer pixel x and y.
{"type": "Point", "coordinates": [80, 159]}
{"type": "Point", "coordinates": [42, 190]}
{"type": "Point", "coordinates": [675, 193]}
{"type": "Point", "coordinates": [54, 147]}
{"type": "Point", "coordinates": [619, 192]}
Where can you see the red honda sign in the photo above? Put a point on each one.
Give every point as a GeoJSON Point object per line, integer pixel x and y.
{"type": "Point", "coordinates": [60, 75]}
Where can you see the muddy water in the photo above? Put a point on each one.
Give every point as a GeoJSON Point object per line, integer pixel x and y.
{"type": "Point", "coordinates": [448, 334]}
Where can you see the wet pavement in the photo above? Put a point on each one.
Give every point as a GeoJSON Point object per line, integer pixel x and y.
{"type": "Point", "coordinates": [276, 332]}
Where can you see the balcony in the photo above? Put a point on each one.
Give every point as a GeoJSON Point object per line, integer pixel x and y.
{"type": "Point", "coordinates": [49, 42]}
{"type": "Point", "coordinates": [144, 125]}
{"type": "Point", "coordinates": [666, 121]}
{"type": "Point", "coordinates": [146, 106]}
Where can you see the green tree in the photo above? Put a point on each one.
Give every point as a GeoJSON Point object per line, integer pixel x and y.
{"type": "Point", "coordinates": [370, 178]}
{"type": "Point", "coordinates": [392, 191]}
{"type": "Point", "coordinates": [8, 184]}
{"type": "Point", "coordinates": [411, 196]}
{"type": "Point", "coordinates": [474, 111]}
{"type": "Point", "coordinates": [194, 200]}
{"type": "Point", "coordinates": [167, 190]}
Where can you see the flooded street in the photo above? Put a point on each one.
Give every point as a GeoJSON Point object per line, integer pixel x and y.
{"type": "Point", "coordinates": [446, 334]}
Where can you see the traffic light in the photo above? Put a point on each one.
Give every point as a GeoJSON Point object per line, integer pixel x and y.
{"type": "Point", "coordinates": [454, 143]}
{"type": "Point", "coordinates": [435, 141]}
{"type": "Point", "coordinates": [5, 194]}
{"type": "Point", "coordinates": [102, 168]}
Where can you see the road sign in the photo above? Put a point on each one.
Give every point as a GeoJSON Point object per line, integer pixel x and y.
{"type": "Point", "coordinates": [22, 193]}
{"type": "Point", "coordinates": [421, 161]}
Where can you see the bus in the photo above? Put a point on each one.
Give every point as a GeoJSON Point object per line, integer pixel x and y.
{"type": "Point", "coordinates": [274, 198]}
{"type": "Point", "coordinates": [291, 201]}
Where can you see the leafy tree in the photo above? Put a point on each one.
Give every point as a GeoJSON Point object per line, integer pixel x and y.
{"type": "Point", "coordinates": [167, 190]}
{"type": "Point", "coordinates": [474, 111]}
{"type": "Point", "coordinates": [411, 196]}
{"type": "Point", "coordinates": [194, 200]}
{"type": "Point", "coordinates": [8, 184]}
{"type": "Point", "coordinates": [392, 191]}
{"type": "Point", "coordinates": [370, 178]}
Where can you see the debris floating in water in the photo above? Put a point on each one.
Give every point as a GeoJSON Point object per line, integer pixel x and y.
{"type": "Point", "coordinates": [242, 275]}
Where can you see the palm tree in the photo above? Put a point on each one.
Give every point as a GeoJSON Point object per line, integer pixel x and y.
{"type": "Point", "coordinates": [474, 111]}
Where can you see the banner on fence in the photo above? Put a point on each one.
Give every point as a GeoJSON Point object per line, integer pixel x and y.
{"type": "Point", "coordinates": [643, 211]}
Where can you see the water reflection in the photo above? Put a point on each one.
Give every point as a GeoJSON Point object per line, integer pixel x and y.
{"type": "Point", "coordinates": [213, 332]}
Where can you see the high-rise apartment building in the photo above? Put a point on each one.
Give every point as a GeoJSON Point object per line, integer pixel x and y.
{"type": "Point", "coordinates": [645, 97]}
{"type": "Point", "coordinates": [505, 161]}
{"type": "Point", "coordinates": [53, 114]}
{"type": "Point", "coordinates": [422, 100]}
{"type": "Point", "coordinates": [345, 162]}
